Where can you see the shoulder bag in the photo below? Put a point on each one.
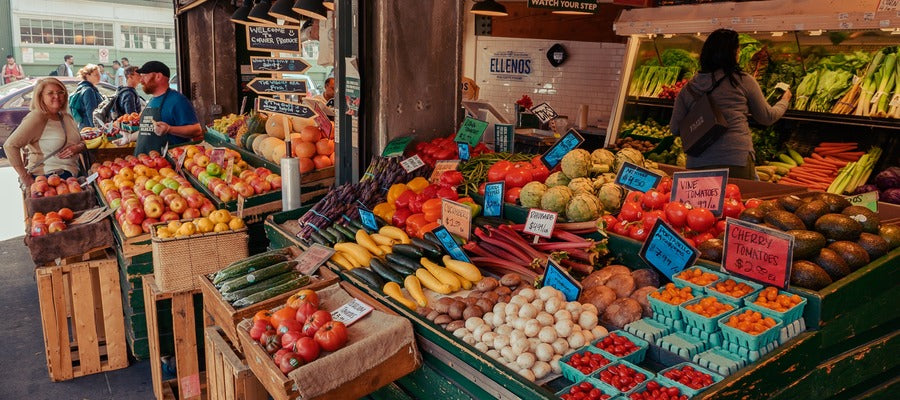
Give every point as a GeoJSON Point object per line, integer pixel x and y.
{"type": "Point", "coordinates": [703, 124]}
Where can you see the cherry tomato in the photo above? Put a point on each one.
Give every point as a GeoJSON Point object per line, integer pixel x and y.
{"type": "Point", "coordinates": [676, 214]}
{"type": "Point", "coordinates": [732, 191]}
{"type": "Point", "coordinates": [650, 217]}
{"type": "Point", "coordinates": [700, 219]}
{"type": "Point", "coordinates": [332, 336]}
{"type": "Point", "coordinates": [654, 199]}
{"type": "Point", "coordinates": [732, 208]}
{"type": "Point", "coordinates": [631, 211]}
{"type": "Point", "coordinates": [512, 195]}
{"type": "Point", "coordinates": [517, 177]}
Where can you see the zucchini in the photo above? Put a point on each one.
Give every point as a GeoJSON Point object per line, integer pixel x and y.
{"type": "Point", "coordinates": [404, 261]}
{"type": "Point", "coordinates": [318, 238]}
{"type": "Point", "coordinates": [351, 236]}
{"type": "Point", "coordinates": [355, 224]}
{"type": "Point", "coordinates": [258, 286]}
{"type": "Point", "coordinates": [400, 268]}
{"type": "Point", "coordinates": [242, 267]}
{"type": "Point", "coordinates": [370, 278]}
{"type": "Point", "coordinates": [327, 235]}
{"type": "Point", "coordinates": [338, 236]}
{"type": "Point", "coordinates": [387, 273]}
{"type": "Point", "coordinates": [408, 250]}
{"type": "Point", "coordinates": [429, 249]}
{"type": "Point", "coordinates": [257, 276]}
{"type": "Point", "coordinates": [271, 292]}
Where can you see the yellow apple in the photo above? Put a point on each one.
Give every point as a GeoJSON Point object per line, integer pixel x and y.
{"type": "Point", "coordinates": [236, 223]}
{"type": "Point", "coordinates": [204, 225]}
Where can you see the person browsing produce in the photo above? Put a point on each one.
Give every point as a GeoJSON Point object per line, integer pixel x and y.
{"type": "Point", "coordinates": [86, 97]}
{"type": "Point", "coordinates": [736, 94]}
{"type": "Point", "coordinates": [48, 127]}
{"type": "Point", "coordinates": [168, 117]}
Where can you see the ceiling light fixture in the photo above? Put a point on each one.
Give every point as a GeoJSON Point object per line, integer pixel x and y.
{"type": "Point", "coordinates": [311, 8]}
{"type": "Point", "coordinates": [490, 8]}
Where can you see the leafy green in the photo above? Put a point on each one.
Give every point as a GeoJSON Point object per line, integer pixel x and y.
{"type": "Point", "coordinates": [831, 86]}
{"type": "Point", "coordinates": [766, 142]}
{"type": "Point", "coordinates": [749, 46]}
{"type": "Point", "coordinates": [806, 90]}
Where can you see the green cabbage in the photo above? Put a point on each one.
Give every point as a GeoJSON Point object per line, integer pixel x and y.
{"type": "Point", "coordinates": [557, 179]}
{"type": "Point", "coordinates": [583, 207]}
{"type": "Point", "coordinates": [581, 185]}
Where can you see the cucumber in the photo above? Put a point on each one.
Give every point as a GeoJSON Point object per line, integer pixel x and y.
{"type": "Point", "coordinates": [271, 292]}
{"type": "Point", "coordinates": [355, 224]}
{"type": "Point", "coordinates": [256, 287]}
{"type": "Point", "coordinates": [387, 273]}
{"type": "Point", "coordinates": [404, 261]}
{"type": "Point", "coordinates": [338, 235]}
{"type": "Point", "coordinates": [350, 235]}
{"type": "Point", "coordinates": [318, 238]}
{"type": "Point", "coordinates": [400, 268]}
{"type": "Point", "coordinates": [327, 235]}
{"type": "Point", "coordinates": [257, 276]}
{"type": "Point", "coordinates": [408, 250]}
{"type": "Point", "coordinates": [429, 249]}
{"type": "Point", "coordinates": [370, 278]}
{"type": "Point", "coordinates": [242, 267]}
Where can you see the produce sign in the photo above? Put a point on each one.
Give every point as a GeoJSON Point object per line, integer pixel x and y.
{"type": "Point", "coordinates": [268, 105]}
{"type": "Point", "coordinates": [463, 150]}
{"type": "Point", "coordinates": [572, 6]}
{"type": "Point", "coordinates": [569, 142]}
{"type": "Point", "coordinates": [758, 253]}
{"type": "Point", "coordinates": [442, 166]}
{"type": "Point", "coordinates": [503, 137]}
{"type": "Point", "coordinates": [450, 244]}
{"type": "Point", "coordinates": [273, 38]}
{"type": "Point", "coordinates": [559, 279]}
{"type": "Point", "coordinates": [868, 200]}
{"type": "Point", "coordinates": [544, 112]}
{"type": "Point", "coordinates": [493, 199]}
{"type": "Point", "coordinates": [701, 189]}
{"type": "Point", "coordinates": [277, 86]}
{"type": "Point", "coordinates": [471, 131]}
{"type": "Point", "coordinates": [667, 251]}
{"type": "Point", "coordinates": [636, 178]}
{"type": "Point", "coordinates": [312, 258]}
{"type": "Point", "coordinates": [351, 312]}
{"type": "Point", "coordinates": [457, 218]}
{"type": "Point", "coordinates": [368, 219]}
{"type": "Point", "coordinates": [411, 164]}
{"type": "Point", "coordinates": [264, 65]}
{"type": "Point", "coordinates": [540, 222]}
{"type": "Point", "coordinates": [396, 147]}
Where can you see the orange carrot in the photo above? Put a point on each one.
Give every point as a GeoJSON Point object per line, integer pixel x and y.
{"type": "Point", "coordinates": [837, 144]}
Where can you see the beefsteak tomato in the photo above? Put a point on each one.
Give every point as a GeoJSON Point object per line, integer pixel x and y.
{"type": "Point", "coordinates": [332, 336]}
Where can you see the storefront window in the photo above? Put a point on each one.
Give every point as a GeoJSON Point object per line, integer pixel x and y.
{"type": "Point", "coordinates": [48, 31]}
{"type": "Point", "coordinates": [147, 37]}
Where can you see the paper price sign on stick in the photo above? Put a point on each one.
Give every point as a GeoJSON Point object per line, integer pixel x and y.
{"type": "Point", "coordinates": [450, 244]}
{"type": "Point", "coordinates": [868, 200]}
{"type": "Point", "coordinates": [442, 166]}
{"type": "Point", "coordinates": [411, 164]}
{"type": "Point", "coordinates": [758, 253]}
{"type": "Point", "coordinates": [559, 279]}
{"type": "Point", "coordinates": [396, 147]}
{"type": "Point", "coordinates": [544, 112]}
{"type": "Point", "coordinates": [180, 162]}
{"type": "Point", "coordinates": [567, 143]}
{"type": "Point", "coordinates": [636, 178]}
{"type": "Point", "coordinates": [351, 312]}
{"type": "Point", "coordinates": [470, 131]}
{"type": "Point", "coordinates": [312, 258]}
{"type": "Point", "coordinates": [667, 251]}
{"type": "Point", "coordinates": [540, 222]}
{"type": "Point", "coordinates": [240, 206]}
{"type": "Point", "coordinates": [91, 178]}
{"type": "Point", "coordinates": [493, 199]}
{"type": "Point", "coordinates": [457, 218]}
{"type": "Point", "coordinates": [704, 189]}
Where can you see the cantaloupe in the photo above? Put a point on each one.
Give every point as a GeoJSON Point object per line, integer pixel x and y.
{"type": "Point", "coordinates": [277, 154]}
{"type": "Point", "coordinates": [297, 123]}
{"type": "Point", "coordinates": [257, 141]}
{"type": "Point", "coordinates": [275, 126]}
{"type": "Point", "coordinates": [267, 146]}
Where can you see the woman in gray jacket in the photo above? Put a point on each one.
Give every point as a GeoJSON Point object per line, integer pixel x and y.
{"type": "Point", "coordinates": [736, 95]}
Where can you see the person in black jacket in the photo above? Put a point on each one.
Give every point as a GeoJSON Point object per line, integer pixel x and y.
{"type": "Point", "coordinates": [127, 99]}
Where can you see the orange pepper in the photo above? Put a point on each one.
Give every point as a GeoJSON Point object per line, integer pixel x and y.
{"type": "Point", "coordinates": [414, 224]}
{"type": "Point", "coordinates": [432, 209]}
{"type": "Point", "coordinates": [428, 228]}
{"type": "Point", "coordinates": [465, 200]}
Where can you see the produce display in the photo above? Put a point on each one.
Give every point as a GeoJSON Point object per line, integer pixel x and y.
{"type": "Point", "coordinates": [245, 180]}
{"type": "Point", "coordinates": [673, 295]}
{"type": "Point", "coordinates": [266, 137]}
{"type": "Point", "coordinates": [232, 125]}
{"type": "Point", "coordinates": [771, 299]}
{"type": "Point", "coordinates": [751, 322]}
{"type": "Point", "coordinates": [258, 278]}
{"type": "Point", "coordinates": [834, 167]}
{"type": "Point", "coordinates": [887, 184]}
{"type": "Point", "coordinates": [587, 362]}
{"type": "Point", "coordinates": [622, 377]}
{"type": "Point", "coordinates": [53, 185]}
{"type": "Point", "coordinates": [217, 221]}
{"type": "Point", "coordinates": [690, 377]}
{"type": "Point", "coordinates": [416, 205]}
{"type": "Point", "coordinates": [709, 307]}
{"type": "Point", "coordinates": [655, 391]}
{"type": "Point", "coordinates": [514, 169]}
{"type": "Point", "coordinates": [648, 127]}
{"type": "Point", "coordinates": [584, 390]}
{"type": "Point", "coordinates": [443, 149]}
{"type": "Point", "coordinates": [54, 221]}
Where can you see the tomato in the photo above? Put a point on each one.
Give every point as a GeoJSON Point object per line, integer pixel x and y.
{"type": "Point", "coordinates": [638, 232]}
{"type": "Point", "coordinates": [621, 228]}
{"type": "Point", "coordinates": [332, 336]}
{"type": "Point", "coordinates": [289, 324]}
{"type": "Point", "coordinates": [732, 208]}
{"type": "Point", "coordinates": [540, 173]}
{"type": "Point", "coordinates": [609, 221]}
{"type": "Point", "coordinates": [283, 314]}
{"type": "Point", "coordinates": [732, 191]}
{"type": "Point", "coordinates": [512, 195]}
{"type": "Point", "coordinates": [703, 237]}
{"type": "Point", "coordinates": [752, 203]}
{"type": "Point", "coordinates": [305, 294]}
{"type": "Point", "coordinates": [288, 338]}
{"type": "Point", "coordinates": [536, 162]}
{"type": "Point", "coordinates": [700, 219]}
{"type": "Point", "coordinates": [517, 177]}
{"type": "Point", "coordinates": [481, 188]}
{"type": "Point", "coordinates": [260, 327]}
{"type": "Point", "coordinates": [264, 315]}
{"type": "Point", "coordinates": [720, 226]}
{"type": "Point", "coordinates": [650, 217]}
{"type": "Point", "coordinates": [654, 199]}
{"type": "Point", "coordinates": [315, 321]}
{"type": "Point", "coordinates": [280, 354]}
{"type": "Point", "coordinates": [665, 185]}
{"type": "Point", "coordinates": [307, 348]}
{"type": "Point", "coordinates": [676, 213]}
{"type": "Point", "coordinates": [634, 197]}
{"type": "Point", "coordinates": [498, 171]}
{"type": "Point", "coordinates": [289, 362]}
{"type": "Point", "coordinates": [271, 341]}
{"type": "Point", "coordinates": [631, 211]}
{"type": "Point", "coordinates": [304, 310]}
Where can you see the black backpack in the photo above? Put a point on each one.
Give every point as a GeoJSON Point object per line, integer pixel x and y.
{"type": "Point", "coordinates": [53, 73]}
{"type": "Point", "coordinates": [106, 111]}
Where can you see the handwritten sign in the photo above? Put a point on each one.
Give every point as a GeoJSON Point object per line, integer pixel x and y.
{"type": "Point", "coordinates": [456, 217]}
{"type": "Point", "coordinates": [265, 65]}
{"type": "Point", "coordinates": [396, 147]}
{"type": "Point", "coordinates": [277, 86]}
{"type": "Point", "coordinates": [704, 189]}
{"type": "Point", "coordinates": [312, 258]}
{"type": "Point", "coordinates": [463, 150]}
{"type": "Point", "coordinates": [450, 244]}
{"type": "Point", "coordinates": [868, 200]}
{"type": "Point", "coordinates": [567, 143]}
{"type": "Point", "coordinates": [559, 279]}
{"type": "Point", "coordinates": [413, 163]}
{"type": "Point", "coordinates": [493, 199]}
{"type": "Point", "coordinates": [888, 5]}
{"type": "Point", "coordinates": [269, 105]}
{"type": "Point", "coordinates": [442, 166]}
{"type": "Point", "coordinates": [758, 253]}
{"type": "Point", "coordinates": [368, 219]}
{"type": "Point", "coordinates": [667, 251]}
{"type": "Point", "coordinates": [240, 205]}
{"type": "Point", "coordinates": [540, 222]}
{"type": "Point", "coordinates": [470, 131]}
{"type": "Point", "coordinates": [273, 38]}
{"type": "Point", "coordinates": [217, 156]}
{"type": "Point", "coordinates": [636, 178]}
{"type": "Point", "coordinates": [229, 170]}
{"type": "Point", "coordinates": [180, 162]}
{"type": "Point", "coordinates": [90, 179]}
{"type": "Point", "coordinates": [351, 312]}
{"type": "Point", "coordinates": [504, 137]}
{"type": "Point", "coordinates": [544, 112]}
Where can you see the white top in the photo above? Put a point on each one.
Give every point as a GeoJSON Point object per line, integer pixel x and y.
{"type": "Point", "coordinates": [69, 69]}
{"type": "Point", "coordinates": [53, 138]}
{"type": "Point", "coordinates": [120, 76]}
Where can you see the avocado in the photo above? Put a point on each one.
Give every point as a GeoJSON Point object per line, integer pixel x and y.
{"type": "Point", "coordinates": [790, 203]}
{"type": "Point", "coordinates": [784, 220]}
{"type": "Point", "coordinates": [838, 227]}
{"type": "Point", "coordinates": [809, 275]}
{"type": "Point", "coordinates": [711, 249]}
{"type": "Point", "coordinates": [752, 215]}
{"type": "Point", "coordinates": [836, 203]}
{"type": "Point", "coordinates": [810, 212]}
{"type": "Point", "coordinates": [832, 263]}
{"type": "Point", "coordinates": [891, 234]}
{"type": "Point", "coordinates": [807, 243]}
{"type": "Point", "coordinates": [866, 217]}
{"type": "Point", "coordinates": [854, 254]}
{"type": "Point", "coordinates": [875, 245]}
{"type": "Point", "coordinates": [769, 206]}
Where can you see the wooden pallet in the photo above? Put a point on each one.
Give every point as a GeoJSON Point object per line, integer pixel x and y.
{"type": "Point", "coordinates": [81, 316]}
{"type": "Point", "coordinates": [187, 363]}
{"type": "Point", "coordinates": [227, 375]}
{"type": "Point", "coordinates": [170, 388]}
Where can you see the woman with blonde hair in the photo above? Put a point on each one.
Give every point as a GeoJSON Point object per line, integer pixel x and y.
{"type": "Point", "coordinates": [86, 96]}
{"type": "Point", "coordinates": [47, 128]}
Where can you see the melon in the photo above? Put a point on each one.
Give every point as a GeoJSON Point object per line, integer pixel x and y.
{"type": "Point", "coordinates": [277, 154]}
{"type": "Point", "coordinates": [267, 145]}
{"type": "Point", "coordinates": [247, 140]}
{"type": "Point", "coordinates": [254, 145]}
{"type": "Point", "coordinates": [297, 123]}
{"type": "Point", "coordinates": [275, 126]}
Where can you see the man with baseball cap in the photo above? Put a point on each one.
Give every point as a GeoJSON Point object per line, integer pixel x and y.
{"type": "Point", "coordinates": [168, 117]}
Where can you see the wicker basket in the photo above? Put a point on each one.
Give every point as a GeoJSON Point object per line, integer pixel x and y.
{"type": "Point", "coordinates": [177, 262]}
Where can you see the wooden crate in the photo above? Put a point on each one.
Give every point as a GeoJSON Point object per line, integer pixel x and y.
{"type": "Point", "coordinates": [187, 363]}
{"type": "Point", "coordinates": [81, 315]}
{"type": "Point", "coordinates": [170, 388]}
{"type": "Point", "coordinates": [227, 375]}
{"type": "Point", "coordinates": [227, 317]}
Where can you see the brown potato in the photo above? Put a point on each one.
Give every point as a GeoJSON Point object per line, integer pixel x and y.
{"type": "Point", "coordinates": [443, 305]}
{"type": "Point", "coordinates": [503, 290]}
{"type": "Point", "coordinates": [600, 277]}
{"type": "Point", "coordinates": [622, 284]}
{"type": "Point", "coordinates": [640, 296]}
{"type": "Point", "coordinates": [442, 319]}
{"type": "Point", "coordinates": [456, 309]}
{"type": "Point", "coordinates": [472, 311]}
{"type": "Point", "coordinates": [487, 284]}
{"type": "Point", "coordinates": [455, 325]}
{"type": "Point", "coordinates": [622, 312]}
{"type": "Point", "coordinates": [493, 297]}
{"type": "Point", "coordinates": [600, 296]}
{"type": "Point", "coordinates": [645, 277]}
{"type": "Point", "coordinates": [510, 279]}
{"type": "Point", "coordinates": [485, 304]}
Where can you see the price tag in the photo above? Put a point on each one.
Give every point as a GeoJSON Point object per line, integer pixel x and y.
{"type": "Point", "coordinates": [217, 156]}
{"type": "Point", "coordinates": [701, 189]}
{"type": "Point", "coordinates": [368, 219]}
{"type": "Point", "coordinates": [94, 215]}
{"type": "Point", "coordinates": [782, 86]}
{"type": "Point", "coordinates": [470, 131]}
{"type": "Point", "coordinates": [442, 166]}
{"type": "Point", "coordinates": [735, 20]}
{"type": "Point", "coordinates": [312, 258]}
{"type": "Point", "coordinates": [411, 164]}
{"type": "Point", "coordinates": [845, 25]}
{"type": "Point", "coordinates": [869, 16]}
{"type": "Point", "coordinates": [544, 112]}
{"type": "Point", "coordinates": [895, 101]}
{"type": "Point", "coordinates": [493, 199]}
{"type": "Point", "coordinates": [843, 16]}
{"type": "Point", "coordinates": [396, 147]}
{"type": "Point", "coordinates": [868, 200]}
{"type": "Point", "coordinates": [456, 217]}
{"type": "Point", "coordinates": [758, 253]}
{"type": "Point", "coordinates": [877, 96]}
{"type": "Point", "coordinates": [180, 161]}
{"type": "Point", "coordinates": [91, 178]}
{"type": "Point", "coordinates": [667, 251]}
{"type": "Point", "coordinates": [504, 137]}
{"type": "Point", "coordinates": [165, 149]}
{"type": "Point", "coordinates": [540, 222]}
{"type": "Point", "coordinates": [229, 170]}
{"type": "Point", "coordinates": [559, 279]}
{"type": "Point", "coordinates": [463, 150]}
{"type": "Point", "coordinates": [567, 143]}
{"type": "Point", "coordinates": [240, 206]}
{"type": "Point", "coordinates": [351, 312]}
{"type": "Point", "coordinates": [636, 178]}
{"type": "Point", "coordinates": [449, 244]}
{"type": "Point", "coordinates": [884, 23]}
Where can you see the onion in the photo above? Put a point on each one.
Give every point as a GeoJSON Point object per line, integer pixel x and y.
{"type": "Point", "coordinates": [538, 303]}
{"type": "Point", "coordinates": [473, 323]}
{"type": "Point", "coordinates": [587, 320]}
{"type": "Point", "coordinates": [552, 305]}
{"type": "Point", "coordinates": [562, 314]}
{"type": "Point", "coordinates": [560, 346]}
{"type": "Point", "coordinates": [544, 318]}
{"type": "Point", "coordinates": [588, 336]}
{"type": "Point", "coordinates": [540, 369]}
{"type": "Point", "coordinates": [599, 332]}
{"type": "Point", "coordinates": [532, 328]}
{"type": "Point", "coordinates": [589, 308]}
{"type": "Point", "coordinates": [519, 323]}
{"type": "Point", "coordinates": [547, 292]}
{"type": "Point", "coordinates": [544, 352]}
{"type": "Point", "coordinates": [527, 294]}
{"type": "Point", "coordinates": [519, 346]}
{"type": "Point", "coordinates": [533, 343]}
{"type": "Point", "coordinates": [576, 340]}
{"type": "Point", "coordinates": [503, 330]}
{"type": "Point", "coordinates": [501, 341]}
{"type": "Point", "coordinates": [525, 360]}
{"type": "Point", "coordinates": [563, 328]}
{"type": "Point", "coordinates": [573, 307]}
{"type": "Point", "coordinates": [529, 311]}
{"type": "Point", "coordinates": [547, 334]}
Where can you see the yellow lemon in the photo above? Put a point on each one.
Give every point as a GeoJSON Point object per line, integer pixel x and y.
{"type": "Point", "coordinates": [185, 230]}
{"type": "Point", "coordinates": [221, 227]}
{"type": "Point", "coordinates": [163, 232]}
{"type": "Point", "coordinates": [204, 225]}
{"type": "Point", "coordinates": [236, 223]}
{"type": "Point", "coordinates": [174, 225]}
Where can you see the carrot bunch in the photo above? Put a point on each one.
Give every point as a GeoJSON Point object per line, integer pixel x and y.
{"type": "Point", "coordinates": [820, 169]}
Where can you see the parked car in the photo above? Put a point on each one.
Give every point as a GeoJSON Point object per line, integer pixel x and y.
{"type": "Point", "coordinates": [16, 97]}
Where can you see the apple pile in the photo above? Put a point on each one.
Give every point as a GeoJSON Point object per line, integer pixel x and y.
{"type": "Point", "coordinates": [47, 186]}
{"type": "Point", "coordinates": [146, 195]}
{"type": "Point", "coordinates": [52, 222]}
{"type": "Point", "coordinates": [217, 221]}
{"type": "Point", "coordinates": [245, 180]}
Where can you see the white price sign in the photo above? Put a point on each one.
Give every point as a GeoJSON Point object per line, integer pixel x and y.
{"type": "Point", "coordinates": [90, 178]}
{"type": "Point", "coordinates": [351, 312]}
{"type": "Point", "coordinates": [540, 222]}
{"type": "Point", "coordinates": [411, 164]}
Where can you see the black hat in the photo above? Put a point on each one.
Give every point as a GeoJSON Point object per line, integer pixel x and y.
{"type": "Point", "coordinates": [154, 66]}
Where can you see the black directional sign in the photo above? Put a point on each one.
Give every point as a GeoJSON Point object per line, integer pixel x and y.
{"type": "Point", "coordinates": [277, 86]}
{"type": "Point", "coordinates": [268, 65]}
{"type": "Point", "coordinates": [269, 105]}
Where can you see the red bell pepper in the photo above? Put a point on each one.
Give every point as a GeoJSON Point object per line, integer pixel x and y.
{"type": "Point", "coordinates": [415, 205]}
{"type": "Point", "coordinates": [404, 199]}
{"type": "Point", "coordinates": [430, 191]}
{"type": "Point", "coordinates": [400, 216]}
{"type": "Point", "coordinates": [447, 193]}
{"type": "Point", "coordinates": [452, 178]}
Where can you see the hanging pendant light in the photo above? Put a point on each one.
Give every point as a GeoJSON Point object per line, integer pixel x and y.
{"type": "Point", "coordinates": [283, 9]}
{"type": "Point", "coordinates": [490, 8]}
{"type": "Point", "coordinates": [260, 13]}
{"type": "Point", "coordinates": [240, 15]}
{"type": "Point", "coordinates": [311, 8]}
{"type": "Point", "coordinates": [329, 4]}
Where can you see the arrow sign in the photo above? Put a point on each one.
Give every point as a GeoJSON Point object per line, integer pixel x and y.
{"type": "Point", "coordinates": [267, 65]}
{"type": "Point", "coordinates": [277, 86]}
{"type": "Point", "coordinates": [268, 105]}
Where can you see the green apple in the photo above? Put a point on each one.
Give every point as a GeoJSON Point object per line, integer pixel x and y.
{"type": "Point", "coordinates": [203, 177]}
{"type": "Point", "coordinates": [115, 203]}
{"type": "Point", "coordinates": [150, 184]}
{"type": "Point", "coordinates": [214, 169]}
{"type": "Point", "coordinates": [171, 183]}
{"type": "Point", "coordinates": [159, 187]}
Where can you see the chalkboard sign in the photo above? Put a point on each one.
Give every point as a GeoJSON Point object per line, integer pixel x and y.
{"type": "Point", "coordinates": [268, 105]}
{"type": "Point", "coordinates": [268, 65]}
{"type": "Point", "coordinates": [277, 86]}
{"type": "Point", "coordinates": [470, 131]}
{"type": "Point", "coordinates": [273, 38]}
{"type": "Point", "coordinates": [396, 147]}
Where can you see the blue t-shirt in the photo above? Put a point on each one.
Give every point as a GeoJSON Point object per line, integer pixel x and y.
{"type": "Point", "coordinates": [176, 111]}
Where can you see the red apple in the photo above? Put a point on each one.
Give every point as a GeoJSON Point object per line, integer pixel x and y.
{"type": "Point", "coordinates": [148, 162]}
{"type": "Point", "coordinates": [226, 193]}
{"type": "Point", "coordinates": [105, 172]}
{"type": "Point", "coordinates": [194, 200]}
{"type": "Point", "coordinates": [196, 170]}
{"type": "Point", "coordinates": [207, 207]}
{"type": "Point", "coordinates": [160, 163]}
{"type": "Point", "coordinates": [275, 182]}
{"type": "Point", "coordinates": [148, 224]}
{"type": "Point", "coordinates": [135, 215]}
{"type": "Point", "coordinates": [178, 204]}
{"type": "Point", "coordinates": [169, 216]}
{"type": "Point", "coordinates": [262, 172]}
{"type": "Point", "coordinates": [242, 188]}
{"type": "Point", "coordinates": [112, 195]}
{"type": "Point", "coordinates": [168, 198]}
{"type": "Point", "coordinates": [131, 230]}
{"type": "Point", "coordinates": [153, 208]}
{"type": "Point", "coordinates": [38, 229]}
{"type": "Point", "coordinates": [107, 163]}
{"type": "Point", "coordinates": [56, 226]}
{"type": "Point", "coordinates": [165, 192]}
{"type": "Point", "coordinates": [191, 213]}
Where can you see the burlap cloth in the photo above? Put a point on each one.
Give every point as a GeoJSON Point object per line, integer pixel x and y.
{"type": "Point", "coordinates": [74, 240]}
